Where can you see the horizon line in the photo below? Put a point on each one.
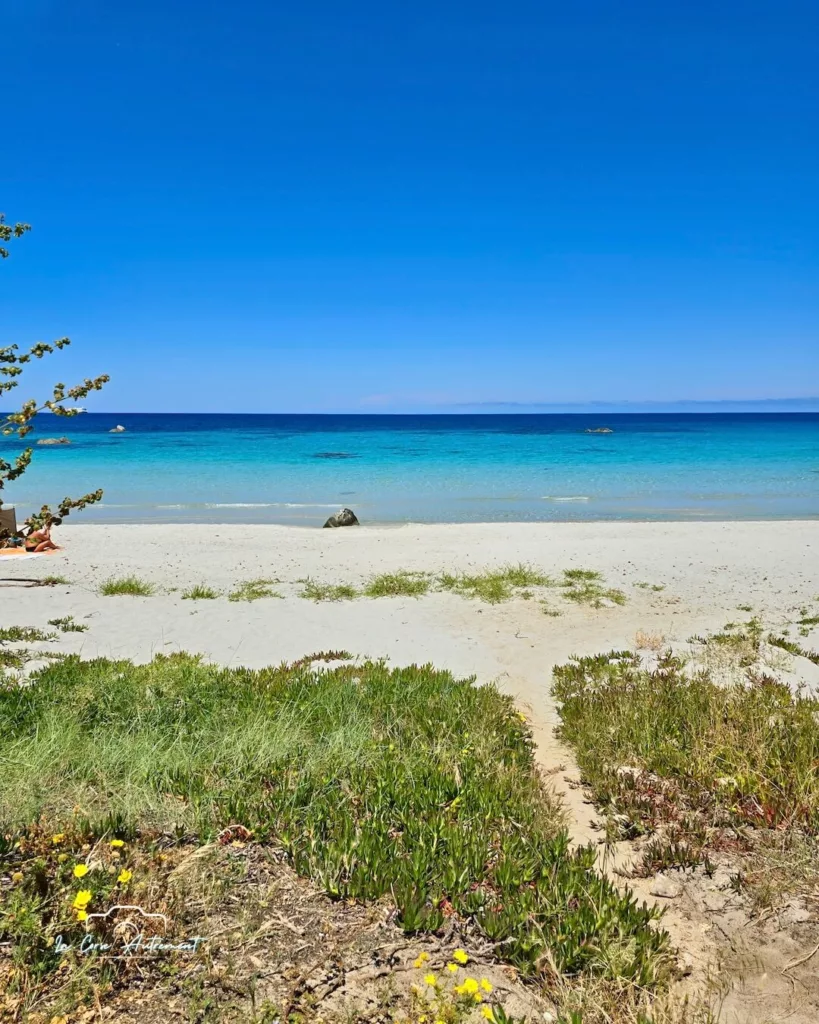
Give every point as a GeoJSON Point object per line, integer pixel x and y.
{"type": "Point", "coordinates": [625, 407]}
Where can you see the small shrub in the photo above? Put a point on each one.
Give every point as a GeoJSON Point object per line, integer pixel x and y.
{"type": "Point", "coordinates": [648, 641]}
{"type": "Point", "coordinates": [131, 586]}
{"type": "Point", "coordinates": [253, 590]}
{"type": "Point", "coordinates": [200, 592]}
{"type": "Point", "coordinates": [54, 581]}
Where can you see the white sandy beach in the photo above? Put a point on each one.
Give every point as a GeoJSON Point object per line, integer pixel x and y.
{"type": "Point", "coordinates": [706, 570]}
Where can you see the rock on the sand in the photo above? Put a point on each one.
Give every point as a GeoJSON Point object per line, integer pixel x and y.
{"type": "Point", "coordinates": [344, 517]}
{"type": "Point", "coordinates": [668, 888]}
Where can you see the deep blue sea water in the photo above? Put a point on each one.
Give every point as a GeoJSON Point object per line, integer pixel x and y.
{"type": "Point", "coordinates": [461, 468]}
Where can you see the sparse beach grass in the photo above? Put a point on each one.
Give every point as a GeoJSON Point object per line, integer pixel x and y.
{"type": "Point", "coordinates": [314, 591]}
{"type": "Point", "coordinates": [406, 784]}
{"type": "Point", "coordinates": [24, 635]}
{"type": "Point", "coordinates": [494, 585]}
{"type": "Point", "coordinates": [55, 581]}
{"type": "Point", "coordinates": [402, 583]}
{"type": "Point", "coordinates": [585, 586]}
{"type": "Point", "coordinates": [16, 657]}
{"type": "Point", "coordinates": [254, 590]}
{"type": "Point", "coordinates": [200, 592]}
{"type": "Point", "coordinates": [131, 586]}
{"type": "Point", "coordinates": [67, 624]}
{"type": "Point", "coordinates": [689, 759]}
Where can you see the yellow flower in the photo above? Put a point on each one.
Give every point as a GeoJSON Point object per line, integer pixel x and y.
{"type": "Point", "coordinates": [80, 870]}
{"type": "Point", "coordinates": [470, 986]}
{"type": "Point", "coordinates": [124, 876]}
{"type": "Point", "coordinates": [117, 843]}
{"type": "Point", "coordinates": [486, 984]}
{"type": "Point", "coordinates": [62, 858]}
{"type": "Point", "coordinates": [82, 899]}
{"type": "Point", "coordinates": [17, 876]}
{"type": "Point", "coordinates": [460, 956]}
{"type": "Point", "coordinates": [81, 915]}
{"type": "Point", "coordinates": [452, 968]}
{"type": "Point", "coordinates": [486, 1011]}
{"type": "Point", "coordinates": [430, 979]}
{"type": "Point", "coordinates": [421, 959]}
{"type": "Point", "coordinates": [58, 838]}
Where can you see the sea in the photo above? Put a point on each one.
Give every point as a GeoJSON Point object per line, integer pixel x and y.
{"type": "Point", "coordinates": [298, 469]}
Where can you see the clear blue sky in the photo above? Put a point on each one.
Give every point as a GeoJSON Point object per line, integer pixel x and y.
{"type": "Point", "coordinates": [392, 206]}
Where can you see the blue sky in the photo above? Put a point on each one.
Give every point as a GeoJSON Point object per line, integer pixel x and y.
{"type": "Point", "coordinates": [393, 206]}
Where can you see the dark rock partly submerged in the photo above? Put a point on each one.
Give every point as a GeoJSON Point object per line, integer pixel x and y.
{"type": "Point", "coordinates": [598, 430]}
{"type": "Point", "coordinates": [344, 517]}
{"type": "Point", "coordinates": [53, 440]}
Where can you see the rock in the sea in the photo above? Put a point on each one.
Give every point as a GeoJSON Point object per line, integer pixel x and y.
{"type": "Point", "coordinates": [344, 517]}
{"type": "Point", "coordinates": [598, 430]}
{"type": "Point", "coordinates": [53, 440]}
{"type": "Point", "coordinates": [118, 429]}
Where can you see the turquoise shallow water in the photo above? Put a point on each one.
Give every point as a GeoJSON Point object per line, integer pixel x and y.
{"type": "Point", "coordinates": [297, 469]}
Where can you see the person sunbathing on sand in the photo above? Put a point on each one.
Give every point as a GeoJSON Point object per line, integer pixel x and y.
{"type": "Point", "coordinates": [40, 540]}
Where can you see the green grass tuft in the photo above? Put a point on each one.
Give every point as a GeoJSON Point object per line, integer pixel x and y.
{"type": "Point", "coordinates": [583, 586]}
{"type": "Point", "coordinates": [68, 625]}
{"type": "Point", "coordinates": [200, 592]}
{"type": "Point", "coordinates": [398, 584]}
{"type": "Point", "coordinates": [24, 635]}
{"type": "Point", "coordinates": [253, 590]}
{"type": "Point", "coordinates": [55, 581]}
{"type": "Point", "coordinates": [572, 576]}
{"type": "Point", "coordinates": [314, 591]}
{"type": "Point", "coordinates": [16, 657]}
{"type": "Point", "coordinates": [494, 585]}
{"type": "Point", "coordinates": [131, 586]}
{"type": "Point", "coordinates": [793, 648]}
